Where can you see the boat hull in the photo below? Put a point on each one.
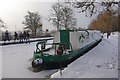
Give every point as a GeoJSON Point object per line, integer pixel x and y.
{"type": "Point", "coordinates": [57, 61]}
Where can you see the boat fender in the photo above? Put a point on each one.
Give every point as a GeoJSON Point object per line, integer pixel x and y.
{"type": "Point", "coordinates": [38, 61]}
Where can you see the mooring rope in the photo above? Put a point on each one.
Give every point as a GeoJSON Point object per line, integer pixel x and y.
{"type": "Point", "coordinates": [95, 39]}
{"type": "Point", "coordinates": [104, 39]}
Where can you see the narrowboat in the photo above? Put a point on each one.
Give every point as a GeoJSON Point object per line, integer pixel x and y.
{"type": "Point", "coordinates": [67, 46]}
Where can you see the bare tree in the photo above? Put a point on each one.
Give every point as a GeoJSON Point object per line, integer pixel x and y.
{"type": "Point", "coordinates": [103, 22]}
{"type": "Point", "coordinates": [68, 19]}
{"type": "Point", "coordinates": [91, 6]}
{"type": "Point", "coordinates": [56, 15]}
{"type": "Point", "coordinates": [32, 21]}
{"type": "Point", "coordinates": [62, 16]}
{"type": "Point", "coordinates": [2, 24]}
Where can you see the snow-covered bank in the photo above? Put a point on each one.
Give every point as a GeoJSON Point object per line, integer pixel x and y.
{"type": "Point", "coordinates": [17, 62]}
{"type": "Point", "coordinates": [100, 62]}
{"type": "Point", "coordinates": [31, 39]}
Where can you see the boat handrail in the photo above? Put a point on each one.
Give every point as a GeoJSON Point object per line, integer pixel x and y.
{"type": "Point", "coordinates": [55, 44]}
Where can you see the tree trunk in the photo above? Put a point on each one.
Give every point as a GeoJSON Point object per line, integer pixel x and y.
{"type": "Point", "coordinates": [35, 31]}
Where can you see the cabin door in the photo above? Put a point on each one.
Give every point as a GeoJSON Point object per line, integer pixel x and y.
{"type": "Point", "coordinates": [65, 38]}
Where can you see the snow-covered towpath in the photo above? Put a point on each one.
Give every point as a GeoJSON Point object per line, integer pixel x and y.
{"type": "Point", "coordinates": [100, 62]}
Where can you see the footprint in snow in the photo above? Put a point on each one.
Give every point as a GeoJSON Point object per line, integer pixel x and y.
{"type": "Point", "coordinates": [98, 66]}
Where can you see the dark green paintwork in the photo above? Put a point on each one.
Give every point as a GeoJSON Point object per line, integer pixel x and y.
{"type": "Point", "coordinates": [57, 58]}
{"type": "Point", "coordinates": [65, 37]}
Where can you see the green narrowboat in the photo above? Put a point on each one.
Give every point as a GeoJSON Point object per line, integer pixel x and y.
{"type": "Point", "coordinates": [65, 49]}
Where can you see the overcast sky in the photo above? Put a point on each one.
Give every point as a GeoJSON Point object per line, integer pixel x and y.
{"type": "Point", "coordinates": [12, 12]}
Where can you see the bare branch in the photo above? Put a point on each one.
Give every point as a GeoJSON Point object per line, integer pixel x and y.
{"type": "Point", "coordinates": [92, 5]}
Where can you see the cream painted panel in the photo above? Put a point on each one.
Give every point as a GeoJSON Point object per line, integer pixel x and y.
{"type": "Point", "coordinates": [74, 40]}
{"type": "Point", "coordinates": [56, 37]}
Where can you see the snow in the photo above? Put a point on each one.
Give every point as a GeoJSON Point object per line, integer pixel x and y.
{"type": "Point", "coordinates": [51, 51]}
{"type": "Point", "coordinates": [49, 41]}
{"type": "Point", "coordinates": [93, 35]}
{"type": "Point", "coordinates": [31, 39]}
{"type": "Point", "coordinates": [17, 62]}
{"type": "Point", "coordinates": [100, 62]}
{"type": "Point", "coordinates": [48, 46]}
